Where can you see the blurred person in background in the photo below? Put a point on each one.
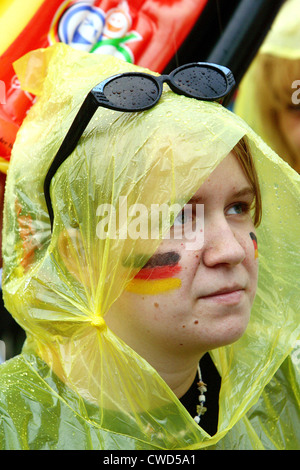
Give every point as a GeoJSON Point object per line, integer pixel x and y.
{"type": "Point", "coordinates": [269, 94]}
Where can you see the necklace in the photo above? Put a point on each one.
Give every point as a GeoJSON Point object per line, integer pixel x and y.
{"type": "Point", "coordinates": [202, 389]}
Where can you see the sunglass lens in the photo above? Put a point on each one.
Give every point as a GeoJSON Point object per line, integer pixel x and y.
{"type": "Point", "coordinates": [132, 93]}
{"type": "Point", "coordinates": [201, 82]}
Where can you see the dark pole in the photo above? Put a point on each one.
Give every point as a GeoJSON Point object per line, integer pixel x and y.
{"type": "Point", "coordinates": [244, 34]}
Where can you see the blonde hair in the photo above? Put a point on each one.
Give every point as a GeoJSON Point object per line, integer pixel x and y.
{"type": "Point", "coordinates": [274, 78]}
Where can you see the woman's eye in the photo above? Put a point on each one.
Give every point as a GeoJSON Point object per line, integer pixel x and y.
{"type": "Point", "coordinates": [239, 208]}
{"type": "Point", "coordinates": [185, 216]}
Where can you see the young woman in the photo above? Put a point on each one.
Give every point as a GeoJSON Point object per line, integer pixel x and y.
{"type": "Point", "coordinates": [121, 306]}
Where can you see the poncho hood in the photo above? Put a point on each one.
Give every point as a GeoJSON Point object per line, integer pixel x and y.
{"type": "Point", "coordinates": [111, 396]}
{"type": "Point", "coordinates": [283, 40]}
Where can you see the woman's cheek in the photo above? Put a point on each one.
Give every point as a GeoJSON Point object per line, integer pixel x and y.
{"type": "Point", "coordinates": [160, 275]}
{"type": "Point", "coordinates": [255, 245]}
{"type": "Point", "coordinates": [253, 263]}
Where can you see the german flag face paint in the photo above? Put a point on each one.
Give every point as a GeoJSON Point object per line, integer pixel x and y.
{"type": "Point", "coordinates": [158, 275]}
{"type": "Point", "coordinates": [254, 239]}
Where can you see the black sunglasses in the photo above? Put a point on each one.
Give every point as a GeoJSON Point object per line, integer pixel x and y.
{"type": "Point", "coordinates": [134, 91]}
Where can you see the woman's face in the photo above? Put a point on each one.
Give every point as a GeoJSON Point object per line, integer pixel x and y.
{"type": "Point", "coordinates": [204, 295]}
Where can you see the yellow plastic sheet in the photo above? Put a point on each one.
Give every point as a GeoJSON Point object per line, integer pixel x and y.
{"type": "Point", "coordinates": [88, 389]}
{"type": "Point", "coordinates": [284, 37]}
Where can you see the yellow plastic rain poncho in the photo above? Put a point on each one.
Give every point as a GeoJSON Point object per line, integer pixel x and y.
{"type": "Point", "coordinates": [76, 385]}
{"type": "Point", "coordinates": [271, 84]}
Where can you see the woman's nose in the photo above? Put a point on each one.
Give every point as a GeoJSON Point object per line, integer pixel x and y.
{"type": "Point", "coordinates": [221, 246]}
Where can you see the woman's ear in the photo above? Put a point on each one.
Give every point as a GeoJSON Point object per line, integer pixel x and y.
{"type": "Point", "coordinates": [71, 250]}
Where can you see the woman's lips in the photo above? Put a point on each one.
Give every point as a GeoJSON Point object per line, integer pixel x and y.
{"type": "Point", "coordinates": [225, 296]}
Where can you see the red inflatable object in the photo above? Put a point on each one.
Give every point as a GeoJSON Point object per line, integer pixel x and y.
{"type": "Point", "coordinates": [145, 32]}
